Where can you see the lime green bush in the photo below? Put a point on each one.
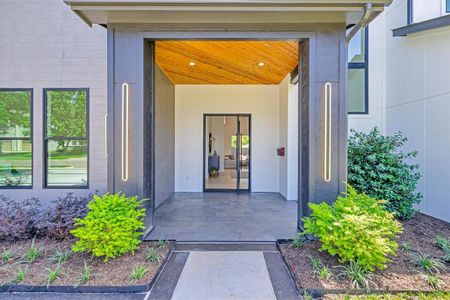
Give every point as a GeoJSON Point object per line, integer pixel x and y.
{"type": "Point", "coordinates": [111, 228]}
{"type": "Point", "coordinates": [355, 227]}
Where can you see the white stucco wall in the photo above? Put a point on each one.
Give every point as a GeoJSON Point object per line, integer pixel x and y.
{"type": "Point", "coordinates": [192, 101]}
{"type": "Point", "coordinates": [288, 138]}
{"type": "Point", "coordinates": [418, 104]}
{"type": "Point", "coordinates": [377, 81]}
{"type": "Point", "coordinates": [43, 44]}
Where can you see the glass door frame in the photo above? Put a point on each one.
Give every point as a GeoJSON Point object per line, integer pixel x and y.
{"type": "Point", "coordinates": [238, 161]}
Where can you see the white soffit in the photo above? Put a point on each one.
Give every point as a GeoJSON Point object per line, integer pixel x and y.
{"type": "Point", "coordinates": [223, 11]}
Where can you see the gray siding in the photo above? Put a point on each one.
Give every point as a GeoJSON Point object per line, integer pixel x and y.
{"type": "Point", "coordinates": [43, 44]}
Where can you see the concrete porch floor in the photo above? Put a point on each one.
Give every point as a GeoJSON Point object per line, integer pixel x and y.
{"type": "Point", "coordinates": [225, 217]}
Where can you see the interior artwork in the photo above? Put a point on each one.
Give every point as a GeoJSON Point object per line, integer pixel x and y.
{"type": "Point", "coordinates": [227, 156]}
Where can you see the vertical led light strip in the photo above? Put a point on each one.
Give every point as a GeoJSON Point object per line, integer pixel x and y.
{"type": "Point", "coordinates": [125, 123]}
{"type": "Point", "coordinates": [106, 135]}
{"type": "Point", "coordinates": [327, 133]}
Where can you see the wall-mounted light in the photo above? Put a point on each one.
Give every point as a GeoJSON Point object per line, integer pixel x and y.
{"type": "Point", "coordinates": [261, 64]}
{"type": "Point", "coordinates": [327, 132]}
{"type": "Point", "coordinates": [106, 135]}
{"type": "Point", "coordinates": [125, 133]}
{"type": "Point", "coordinates": [192, 63]}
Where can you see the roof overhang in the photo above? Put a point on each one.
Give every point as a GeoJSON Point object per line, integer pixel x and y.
{"type": "Point", "coordinates": [224, 11]}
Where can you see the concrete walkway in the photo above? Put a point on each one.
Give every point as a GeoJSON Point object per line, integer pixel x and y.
{"type": "Point", "coordinates": [225, 272]}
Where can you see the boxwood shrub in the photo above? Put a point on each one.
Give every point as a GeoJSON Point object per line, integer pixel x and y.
{"type": "Point", "coordinates": [378, 167]}
{"type": "Point", "coordinates": [355, 227]}
{"type": "Point", "coordinates": [112, 226]}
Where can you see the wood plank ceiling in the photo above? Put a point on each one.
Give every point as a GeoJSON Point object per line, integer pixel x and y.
{"type": "Point", "coordinates": [226, 62]}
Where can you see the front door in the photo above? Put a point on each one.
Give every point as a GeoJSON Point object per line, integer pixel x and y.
{"type": "Point", "coordinates": [227, 155]}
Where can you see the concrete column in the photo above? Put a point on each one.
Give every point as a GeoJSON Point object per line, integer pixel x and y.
{"type": "Point", "coordinates": [323, 59]}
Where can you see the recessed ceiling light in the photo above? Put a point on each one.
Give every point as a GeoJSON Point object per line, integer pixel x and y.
{"type": "Point", "coordinates": [192, 63]}
{"type": "Point", "coordinates": [261, 64]}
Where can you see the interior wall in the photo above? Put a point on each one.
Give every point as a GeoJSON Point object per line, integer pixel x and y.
{"type": "Point", "coordinates": [288, 138]}
{"type": "Point", "coordinates": [192, 101]}
{"type": "Point", "coordinates": [165, 137]}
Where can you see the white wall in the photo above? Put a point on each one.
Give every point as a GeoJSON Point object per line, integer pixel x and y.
{"type": "Point", "coordinates": [418, 103]}
{"type": "Point", "coordinates": [43, 44]}
{"type": "Point", "coordinates": [192, 101]}
{"type": "Point", "coordinates": [377, 81]}
{"type": "Point", "coordinates": [164, 137]}
{"type": "Point", "coordinates": [288, 138]}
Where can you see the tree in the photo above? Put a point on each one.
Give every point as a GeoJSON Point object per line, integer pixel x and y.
{"type": "Point", "coordinates": [15, 112]}
{"type": "Point", "coordinates": [66, 115]}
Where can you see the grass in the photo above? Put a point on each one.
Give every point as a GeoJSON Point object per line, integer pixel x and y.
{"type": "Point", "coordinates": [316, 264]}
{"type": "Point", "coordinates": [86, 273]}
{"type": "Point", "coordinates": [61, 256]}
{"type": "Point", "coordinates": [359, 276]}
{"type": "Point", "coordinates": [406, 246]}
{"type": "Point", "coordinates": [444, 244]}
{"type": "Point", "coordinates": [7, 255]}
{"type": "Point", "coordinates": [297, 242]}
{"type": "Point", "coordinates": [53, 275]}
{"type": "Point", "coordinates": [402, 296]}
{"type": "Point", "coordinates": [434, 281]}
{"type": "Point", "coordinates": [325, 273]}
{"type": "Point", "coordinates": [162, 243]}
{"type": "Point", "coordinates": [33, 252]}
{"type": "Point", "coordinates": [427, 263]}
{"type": "Point", "coordinates": [153, 256]}
{"type": "Point", "coordinates": [138, 272]}
{"type": "Point", "coordinates": [20, 274]}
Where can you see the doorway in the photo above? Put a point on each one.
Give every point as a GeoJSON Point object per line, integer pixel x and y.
{"type": "Point", "coordinates": [227, 152]}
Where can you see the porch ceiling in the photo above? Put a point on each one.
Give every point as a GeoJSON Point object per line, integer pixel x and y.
{"type": "Point", "coordinates": [223, 11]}
{"type": "Point", "coordinates": [226, 62]}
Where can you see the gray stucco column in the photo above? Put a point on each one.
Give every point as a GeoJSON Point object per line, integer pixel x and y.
{"type": "Point", "coordinates": [322, 109]}
{"type": "Point", "coordinates": [130, 117]}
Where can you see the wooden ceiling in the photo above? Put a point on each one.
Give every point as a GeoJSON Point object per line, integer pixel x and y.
{"type": "Point", "coordinates": [226, 62]}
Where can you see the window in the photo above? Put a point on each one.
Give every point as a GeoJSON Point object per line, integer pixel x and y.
{"type": "Point", "coordinates": [66, 132]}
{"type": "Point", "coordinates": [357, 95]}
{"type": "Point", "coordinates": [424, 10]}
{"type": "Point", "coordinates": [16, 150]}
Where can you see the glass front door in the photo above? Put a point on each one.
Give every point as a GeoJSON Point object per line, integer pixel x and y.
{"type": "Point", "coordinates": [227, 152]}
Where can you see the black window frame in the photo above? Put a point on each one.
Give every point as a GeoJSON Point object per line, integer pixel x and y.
{"type": "Point", "coordinates": [46, 139]}
{"type": "Point", "coordinates": [363, 66]}
{"type": "Point", "coordinates": [30, 138]}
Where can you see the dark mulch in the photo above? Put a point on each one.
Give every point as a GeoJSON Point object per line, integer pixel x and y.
{"type": "Point", "coordinates": [115, 272]}
{"type": "Point", "coordinates": [400, 274]}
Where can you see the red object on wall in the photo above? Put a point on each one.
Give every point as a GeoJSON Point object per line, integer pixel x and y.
{"type": "Point", "coordinates": [281, 151]}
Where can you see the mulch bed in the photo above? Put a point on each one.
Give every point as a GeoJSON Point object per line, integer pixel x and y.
{"type": "Point", "coordinates": [115, 272]}
{"type": "Point", "coordinates": [400, 274]}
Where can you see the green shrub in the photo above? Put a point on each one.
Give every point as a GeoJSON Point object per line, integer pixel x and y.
{"type": "Point", "coordinates": [355, 227]}
{"type": "Point", "coordinates": [111, 228]}
{"type": "Point", "coordinates": [377, 167]}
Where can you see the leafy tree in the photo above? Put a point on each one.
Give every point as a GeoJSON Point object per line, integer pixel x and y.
{"type": "Point", "coordinates": [66, 115]}
{"type": "Point", "coordinates": [15, 111]}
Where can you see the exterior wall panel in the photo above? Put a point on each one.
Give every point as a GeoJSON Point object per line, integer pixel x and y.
{"type": "Point", "coordinates": [43, 44]}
